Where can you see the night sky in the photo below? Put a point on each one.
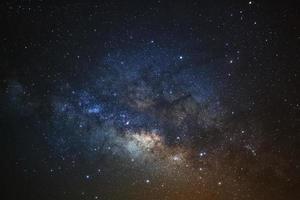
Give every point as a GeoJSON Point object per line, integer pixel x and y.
{"type": "Point", "coordinates": [150, 100]}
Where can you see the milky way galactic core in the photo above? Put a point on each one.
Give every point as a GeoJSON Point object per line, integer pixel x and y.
{"type": "Point", "coordinates": [151, 100]}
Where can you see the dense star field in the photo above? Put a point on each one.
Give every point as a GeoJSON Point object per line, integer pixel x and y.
{"type": "Point", "coordinates": [150, 100]}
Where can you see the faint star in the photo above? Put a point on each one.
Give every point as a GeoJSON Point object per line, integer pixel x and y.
{"type": "Point", "coordinates": [176, 158]}
{"type": "Point", "coordinates": [202, 154]}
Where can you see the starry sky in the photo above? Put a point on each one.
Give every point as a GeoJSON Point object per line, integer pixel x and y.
{"type": "Point", "coordinates": [153, 100]}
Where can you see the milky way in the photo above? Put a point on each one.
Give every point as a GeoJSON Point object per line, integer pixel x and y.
{"type": "Point", "coordinates": [131, 103]}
